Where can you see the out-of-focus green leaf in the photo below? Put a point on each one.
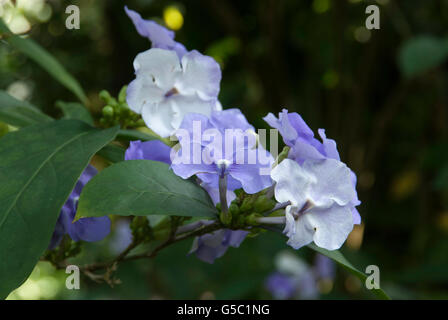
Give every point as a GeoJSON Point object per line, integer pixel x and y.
{"type": "Point", "coordinates": [43, 58]}
{"type": "Point", "coordinates": [420, 54]}
{"type": "Point", "coordinates": [338, 257]}
{"type": "Point", "coordinates": [39, 166]}
{"type": "Point", "coordinates": [19, 113]}
{"type": "Point", "coordinates": [76, 111]}
{"type": "Point", "coordinates": [143, 187]}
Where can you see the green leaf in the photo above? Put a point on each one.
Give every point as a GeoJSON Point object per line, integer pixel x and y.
{"type": "Point", "coordinates": [44, 59]}
{"type": "Point", "coordinates": [420, 54]}
{"type": "Point", "coordinates": [338, 257]}
{"type": "Point", "coordinates": [19, 113]}
{"type": "Point", "coordinates": [131, 135]}
{"type": "Point", "coordinates": [143, 187]}
{"type": "Point", "coordinates": [76, 111]}
{"type": "Point", "coordinates": [39, 166]}
{"type": "Point", "coordinates": [112, 152]}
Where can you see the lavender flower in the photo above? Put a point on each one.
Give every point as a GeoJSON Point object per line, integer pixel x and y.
{"type": "Point", "coordinates": [211, 150]}
{"type": "Point", "coordinates": [166, 88]}
{"type": "Point", "coordinates": [293, 279]}
{"type": "Point", "coordinates": [304, 146]}
{"type": "Point", "coordinates": [213, 245]}
{"type": "Point", "coordinates": [149, 150]}
{"type": "Point", "coordinates": [86, 229]}
{"type": "Point", "coordinates": [122, 237]}
{"type": "Point", "coordinates": [320, 195]}
{"type": "Point", "coordinates": [281, 286]}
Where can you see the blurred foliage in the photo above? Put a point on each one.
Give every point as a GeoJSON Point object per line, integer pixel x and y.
{"type": "Point", "coordinates": [381, 94]}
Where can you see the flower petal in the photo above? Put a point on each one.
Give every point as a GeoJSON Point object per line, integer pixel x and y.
{"type": "Point", "coordinates": [231, 119]}
{"type": "Point", "coordinates": [291, 181]}
{"type": "Point", "coordinates": [90, 229]}
{"type": "Point", "coordinates": [149, 150]}
{"type": "Point", "coordinates": [158, 117]}
{"type": "Point", "coordinates": [329, 146]}
{"type": "Point", "coordinates": [162, 66]}
{"type": "Point", "coordinates": [183, 105]}
{"type": "Point", "coordinates": [299, 232]}
{"type": "Point", "coordinates": [160, 36]}
{"type": "Point", "coordinates": [332, 182]}
{"type": "Point", "coordinates": [331, 225]}
{"type": "Point", "coordinates": [214, 194]}
{"type": "Point", "coordinates": [201, 75]}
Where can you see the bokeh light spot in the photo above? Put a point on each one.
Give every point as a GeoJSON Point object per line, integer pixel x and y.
{"type": "Point", "coordinates": [173, 18]}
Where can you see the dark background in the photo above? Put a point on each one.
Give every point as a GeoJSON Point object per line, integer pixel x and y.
{"type": "Point", "coordinates": [381, 94]}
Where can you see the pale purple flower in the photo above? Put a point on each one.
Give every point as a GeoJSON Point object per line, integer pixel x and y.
{"type": "Point", "coordinates": [304, 146]}
{"type": "Point", "coordinates": [167, 88]}
{"type": "Point", "coordinates": [211, 246]}
{"type": "Point", "coordinates": [320, 195]}
{"type": "Point", "coordinates": [159, 36]}
{"type": "Point", "coordinates": [213, 149]}
{"type": "Point", "coordinates": [294, 278]}
{"type": "Point", "coordinates": [324, 267]}
{"type": "Point", "coordinates": [281, 286]}
{"type": "Point", "coordinates": [154, 150]}
{"type": "Point", "coordinates": [86, 229]}
{"type": "Point", "coordinates": [122, 236]}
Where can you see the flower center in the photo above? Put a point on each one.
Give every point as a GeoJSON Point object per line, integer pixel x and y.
{"type": "Point", "coordinates": [222, 165]}
{"type": "Point", "coordinates": [307, 206]}
{"type": "Point", "coordinates": [171, 92]}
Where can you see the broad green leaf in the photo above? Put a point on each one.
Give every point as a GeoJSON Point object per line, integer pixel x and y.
{"type": "Point", "coordinates": [143, 187]}
{"type": "Point", "coordinates": [19, 113]}
{"type": "Point", "coordinates": [43, 58]}
{"type": "Point", "coordinates": [76, 111]}
{"type": "Point", "coordinates": [338, 257]}
{"type": "Point", "coordinates": [131, 135]}
{"type": "Point", "coordinates": [422, 53]}
{"type": "Point", "coordinates": [39, 166]}
{"type": "Point", "coordinates": [112, 152]}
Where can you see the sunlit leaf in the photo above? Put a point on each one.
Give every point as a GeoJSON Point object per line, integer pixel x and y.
{"type": "Point", "coordinates": [39, 166]}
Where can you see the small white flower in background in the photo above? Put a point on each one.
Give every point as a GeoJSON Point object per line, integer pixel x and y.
{"type": "Point", "coordinates": [16, 14]}
{"type": "Point", "coordinates": [19, 90]}
{"type": "Point", "coordinates": [166, 88]}
{"type": "Point", "coordinates": [320, 193]}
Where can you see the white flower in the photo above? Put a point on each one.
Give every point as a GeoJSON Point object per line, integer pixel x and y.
{"type": "Point", "coordinates": [320, 193]}
{"type": "Point", "coordinates": [166, 88]}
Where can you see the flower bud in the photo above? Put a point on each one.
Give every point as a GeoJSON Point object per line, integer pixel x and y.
{"type": "Point", "coordinates": [108, 111]}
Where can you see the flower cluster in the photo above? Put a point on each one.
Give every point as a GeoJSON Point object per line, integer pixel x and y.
{"type": "Point", "coordinates": [176, 92]}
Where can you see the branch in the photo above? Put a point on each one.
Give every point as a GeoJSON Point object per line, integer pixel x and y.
{"type": "Point", "coordinates": [88, 269]}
